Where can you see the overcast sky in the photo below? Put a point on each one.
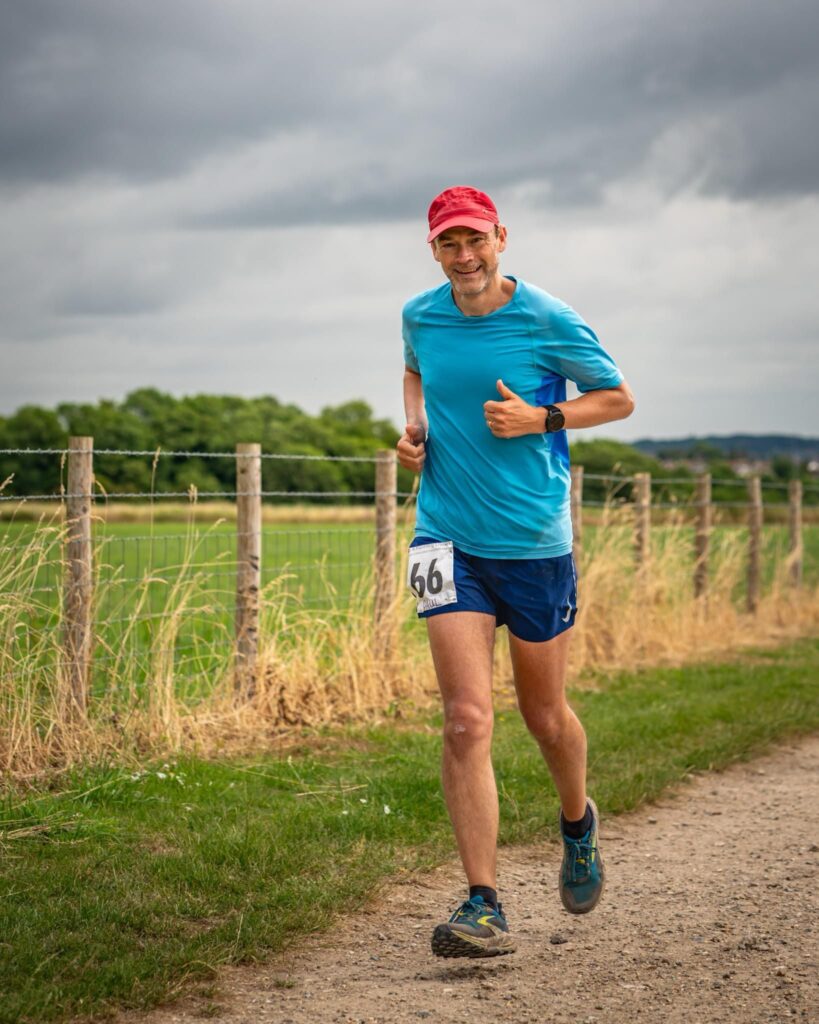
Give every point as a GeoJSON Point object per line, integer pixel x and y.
{"type": "Point", "coordinates": [230, 196]}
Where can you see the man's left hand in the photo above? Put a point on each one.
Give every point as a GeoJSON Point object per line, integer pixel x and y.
{"type": "Point", "coordinates": [512, 417]}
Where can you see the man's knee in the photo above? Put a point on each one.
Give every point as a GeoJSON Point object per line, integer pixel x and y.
{"type": "Point", "coordinates": [466, 725]}
{"type": "Point", "coordinates": [547, 723]}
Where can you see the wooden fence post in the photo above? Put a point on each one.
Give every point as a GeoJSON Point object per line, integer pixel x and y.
{"type": "Point", "coordinates": [386, 485]}
{"type": "Point", "coordinates": [795, 523]}
{"type": "Point", "coordinates": [642, 519]}
{"type": "Point", "coordinates": [78, 583]}
{"type": "Point", "coordinates": [576, 501]}
{"type": "Point", "coordinates": [249, 564]}
{"type": "Point", "coordinates": [702, 537]}
{"type": "Point", "coordinates": [754, 541]}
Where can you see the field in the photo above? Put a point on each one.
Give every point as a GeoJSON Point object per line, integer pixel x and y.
{"type": "Point", "coordinates": [126, 882]}
{"type": "Point", "coordinates": [148, 574]}
{"type": "Point", "coordinates": [162, 666]}
{"type": "Point", "coordinates": [140, 841]}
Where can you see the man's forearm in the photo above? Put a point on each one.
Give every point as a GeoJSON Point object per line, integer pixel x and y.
{"type": "Point", "coordinates": [414, 400]}
{"type": "Point", "coordinates": [596, 407]}
{"type": "Point", "coordinates": [513, 417]}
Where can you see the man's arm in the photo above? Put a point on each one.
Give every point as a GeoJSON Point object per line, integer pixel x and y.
{"type": "Point", "coordinates": [410, 447]}
{"type": "Point", "coordinates": [512, 417]}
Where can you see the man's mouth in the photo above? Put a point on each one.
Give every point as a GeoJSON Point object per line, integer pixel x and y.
{"type": "Point", "coordinates": [466, 273]}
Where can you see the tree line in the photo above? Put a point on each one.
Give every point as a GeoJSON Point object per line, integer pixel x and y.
{"type": "Point", "coordinates": [148, 418]}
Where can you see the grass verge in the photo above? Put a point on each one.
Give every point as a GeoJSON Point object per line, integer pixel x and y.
{"type": "Point", "coordinates": [124, 885]}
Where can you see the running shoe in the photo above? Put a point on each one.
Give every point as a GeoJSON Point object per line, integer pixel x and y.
{"type": "Point", "coordinates": [475, 929]}
{"type": "Point", "coordinates": [582, 875]}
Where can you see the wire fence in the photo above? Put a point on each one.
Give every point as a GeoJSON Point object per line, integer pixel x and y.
{"type": "Point", "coordinates": [100, 591]}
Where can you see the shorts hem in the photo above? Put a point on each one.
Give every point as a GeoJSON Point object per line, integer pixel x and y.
{"type": "Point", "coordinates": [564, 628]}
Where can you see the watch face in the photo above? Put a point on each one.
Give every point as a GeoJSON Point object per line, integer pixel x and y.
{"type": "Point", "coordinates": [556, 420]}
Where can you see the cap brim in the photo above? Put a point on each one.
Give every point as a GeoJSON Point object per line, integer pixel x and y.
{"type": "Point", "coordinates": [461, 222]}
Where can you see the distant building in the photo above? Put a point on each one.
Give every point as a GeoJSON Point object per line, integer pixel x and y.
{"type": "Point", "coordinates": [749, 467]}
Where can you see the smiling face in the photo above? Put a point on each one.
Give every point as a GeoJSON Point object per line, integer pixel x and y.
{"type": "Point", "coordinates": [470, 259]}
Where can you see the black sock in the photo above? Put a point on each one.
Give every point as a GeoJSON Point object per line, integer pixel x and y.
{"type": "Point", "coordinates": [577, 829]}
{"type": "Point", "coordinates": [488, 895]}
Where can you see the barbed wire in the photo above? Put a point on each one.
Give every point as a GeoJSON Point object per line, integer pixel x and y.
{"type": "Point", "coordinates": [372, 459]}
{"type": "Point", "coordinates": [159, 453]}
{"type": "Point", "coordinates": [692, 481]}
{"type": "Point", "coordinates": [608, 476]}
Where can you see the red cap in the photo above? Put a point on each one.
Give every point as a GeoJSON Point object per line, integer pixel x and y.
{"type": "Point", "coordinates": [461, 206]}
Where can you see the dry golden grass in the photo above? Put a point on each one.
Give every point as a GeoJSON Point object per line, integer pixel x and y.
{"type": "Point", "coordinates": [207, 511]}
{"type": "Point", "coordinates": [631, 619]}
{"type": "Point", "coordinates": [320, 668]}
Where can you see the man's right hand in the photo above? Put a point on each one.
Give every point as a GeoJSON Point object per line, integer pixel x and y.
{"type": "Point", "coordinates": [410, 448]}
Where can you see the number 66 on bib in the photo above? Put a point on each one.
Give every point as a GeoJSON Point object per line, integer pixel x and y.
{"type": "Point", "coordinates": [430, 575]}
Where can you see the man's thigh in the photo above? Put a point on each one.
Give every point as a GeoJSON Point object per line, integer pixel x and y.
{"type": "Point", "coordinates": [540, 670]}
{"type": "Point", "coordinates": [462, 645]}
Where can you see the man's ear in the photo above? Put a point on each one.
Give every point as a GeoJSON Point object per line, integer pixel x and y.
{"type": "Point", "coordinates": [433, 245]}
{"type": "Point", "coordinates": [501, 237]}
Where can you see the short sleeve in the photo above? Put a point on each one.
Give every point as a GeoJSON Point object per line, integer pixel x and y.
{"type": "Point", "coordinates": [410, 357]}
{"type": "Point", "coordinates": [571, 348]}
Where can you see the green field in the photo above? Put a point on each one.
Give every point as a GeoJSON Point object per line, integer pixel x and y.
{"type": "Point", "coordinates": [320, 565]}
{"type": "Point", "coordinates": [175, 585]}
{"type": "Point", "coordinates": [119, 884]}
{"type": "Point", "coordinates": [148, 578]}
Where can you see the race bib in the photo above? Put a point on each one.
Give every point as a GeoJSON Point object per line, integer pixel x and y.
{"type": "Point", "coordinates": [431, 575]}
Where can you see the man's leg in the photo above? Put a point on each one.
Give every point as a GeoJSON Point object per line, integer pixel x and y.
{"type": "Point", "coordinates": [540, 681]}
{"type": "Point", "coordinates": [462, 644]}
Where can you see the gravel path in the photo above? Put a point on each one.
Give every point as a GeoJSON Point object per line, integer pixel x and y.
{"type": "Point", "coordinates": [710, 914]}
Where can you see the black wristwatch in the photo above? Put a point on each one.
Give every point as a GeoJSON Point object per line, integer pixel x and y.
{"type": "Point", "coordinates": [555, 420]}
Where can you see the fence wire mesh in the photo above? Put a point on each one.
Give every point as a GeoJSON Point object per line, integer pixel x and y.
{"type": "Point", "coordinates": [165, 592]}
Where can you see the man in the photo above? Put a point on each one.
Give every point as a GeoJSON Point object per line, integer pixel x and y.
{"type": "Point", "coordinates": [487, 359]}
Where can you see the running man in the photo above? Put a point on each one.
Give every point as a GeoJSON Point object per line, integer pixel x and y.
{"type": "Point", "coordinates": [487, 359]}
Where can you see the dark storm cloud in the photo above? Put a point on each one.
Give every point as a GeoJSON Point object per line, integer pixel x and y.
{"type": "Point", "coordinates": [140, 91]}
{"type": "Point", "coordinates": [721, 97]}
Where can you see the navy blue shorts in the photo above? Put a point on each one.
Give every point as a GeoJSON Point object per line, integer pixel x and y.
{"type": "Point", "coordinates": [536, 598]}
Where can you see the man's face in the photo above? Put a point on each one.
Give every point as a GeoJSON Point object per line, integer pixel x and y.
{"type": "Point", "coordinates": [468, 258]}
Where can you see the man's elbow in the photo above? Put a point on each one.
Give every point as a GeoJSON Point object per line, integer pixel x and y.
{"type": "Point", "coordinates": [625, 401]}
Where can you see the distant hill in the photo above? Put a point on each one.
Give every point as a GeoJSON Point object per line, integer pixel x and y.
{"type": "Point", "coordinates": [761, 447]}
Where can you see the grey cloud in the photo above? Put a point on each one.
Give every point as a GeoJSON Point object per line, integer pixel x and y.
{"type": "Point", "coordinates": [564, 104]}
{"type": "Point", "coordinates": [107, 298]}
{"type": "Point", "coordinates": [124, 126]}
{"type": "Point", "coordinates": [143, 91]}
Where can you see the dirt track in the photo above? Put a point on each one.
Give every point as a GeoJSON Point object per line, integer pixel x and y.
{"type": "Point", "coordinates": [711, 914]}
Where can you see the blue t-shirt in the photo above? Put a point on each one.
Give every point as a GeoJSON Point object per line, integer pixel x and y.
{"type": "Point", "coordinates": [498, 497]}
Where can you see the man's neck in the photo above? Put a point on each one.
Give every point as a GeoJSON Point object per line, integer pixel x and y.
{"type": "Point", "coordinates": [490, 299]}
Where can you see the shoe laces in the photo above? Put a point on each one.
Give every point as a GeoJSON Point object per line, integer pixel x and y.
{"type": "Point", "coordinates": [474, 907]}
{"type": "Point", "coordinates": [580, 856]}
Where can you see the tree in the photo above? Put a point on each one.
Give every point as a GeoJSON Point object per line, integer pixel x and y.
{"type": "Point", "coordinates": [31, 427]}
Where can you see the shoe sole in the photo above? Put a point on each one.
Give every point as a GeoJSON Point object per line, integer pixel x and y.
{"type": "Point", "coordinates": [564, 894]}
{"type": "Point", "coordinates": [448, 943]}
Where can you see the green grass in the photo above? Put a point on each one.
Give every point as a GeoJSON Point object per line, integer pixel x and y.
{"type": "Point", "coordinates": [321, 564]}
{"type": "Point", "coordinates": [123, 884]}
{"type": "Point", "coordinates": [310, 556]}
{"type": "Point", "coordinates": [317, 568]}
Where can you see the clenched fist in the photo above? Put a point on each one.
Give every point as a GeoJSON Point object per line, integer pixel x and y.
{"type": "Point", "coordinates": [410, 447]}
